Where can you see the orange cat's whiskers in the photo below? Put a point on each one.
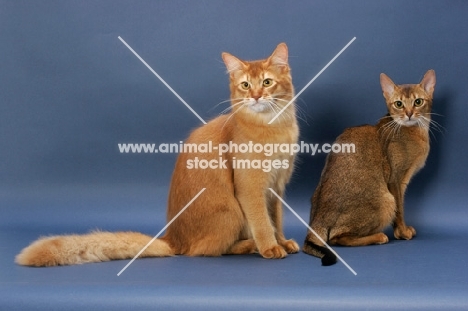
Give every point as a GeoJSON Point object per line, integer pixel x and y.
{"type": "Point", "coordinates": [224, 101]}
{"type": "Point", "coordinates": [272, 106]}
{"type": "Point", "coordinates": [242, 105]}
{"type": "Point", "coordinates": [231, 107]}
{"type": "Point", "coordinates": [285, 116]}
{"type": "Point", "coordinates": [272, 103]}
{"type": "Point", "coordinates": [301, 115]}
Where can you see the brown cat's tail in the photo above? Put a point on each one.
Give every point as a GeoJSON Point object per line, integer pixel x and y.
{"type": "Point", "coordinates": [310, 247]}
{"type": "Point", "coordinates": [93, 247]}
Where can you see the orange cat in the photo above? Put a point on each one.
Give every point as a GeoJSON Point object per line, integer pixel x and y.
{"type": "Point", "coordinates": [236, 214]}
{"type": "Point", "coordinates": [359, 194]}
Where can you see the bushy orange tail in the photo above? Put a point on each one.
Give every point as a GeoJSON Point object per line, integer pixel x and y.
{"type": "Point", "coordinates": [93, 247]}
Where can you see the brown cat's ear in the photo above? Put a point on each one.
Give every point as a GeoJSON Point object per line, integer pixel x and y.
{"type": "Point", "coordinates": [428, 82]}
{"type": "Point", "coordinates": [279, 57]}
{"type": "Point", "coordinates": [388, 87]}
{"type": "Point", "coordinates": [232, 62]}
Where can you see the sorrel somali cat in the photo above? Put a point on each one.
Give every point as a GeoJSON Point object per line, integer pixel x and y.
{"type": "Point", "coordinates": [236, 214]}
{"type": "Point", "coordinates": [361, 193]}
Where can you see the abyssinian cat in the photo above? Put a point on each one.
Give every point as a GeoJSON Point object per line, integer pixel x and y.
{"type": "Point", "coordinates": [361, 193]}
{"type": "Point", "coordinates": [236, 214]}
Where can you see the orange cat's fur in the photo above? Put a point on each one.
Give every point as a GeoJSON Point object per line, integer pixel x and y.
{"type": "Point", "coordinates": [359, 194]}
{"type": "Point", "coordinates": [236, 214]}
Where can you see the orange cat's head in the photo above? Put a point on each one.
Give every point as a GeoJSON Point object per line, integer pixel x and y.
{"type": "Point", "coordinates": [409, 104]}
{"type": "Point", "coordinates": [260, 89]}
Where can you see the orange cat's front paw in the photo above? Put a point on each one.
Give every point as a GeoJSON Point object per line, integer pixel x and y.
{"type": "Point", "coordinates": [290, 246]}
{"type": "Point", "coordinates": [275, 252]}
{"type": "Point", "coordinates": [404, 233]}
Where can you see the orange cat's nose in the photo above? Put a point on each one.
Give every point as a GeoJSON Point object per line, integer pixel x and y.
{"type": "Point", "coordinates": [256, 96]}
{"type": "Point", "coordinates": [409, 114]}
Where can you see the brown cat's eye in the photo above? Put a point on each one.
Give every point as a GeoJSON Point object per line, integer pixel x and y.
{"type": "Point", "coordinates": [245, 85]}
{"type": "Point", "coordinates": [267, 82]}
{"type": "Point", "coordinates": [418, 102]}
{"type": "Point", "coordinates": [398, 104]}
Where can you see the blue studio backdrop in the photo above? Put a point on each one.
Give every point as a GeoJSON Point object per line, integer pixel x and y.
{"type": "Point", "coordinates": [71, 91]}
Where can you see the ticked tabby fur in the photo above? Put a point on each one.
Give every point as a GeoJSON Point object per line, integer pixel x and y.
{"type": "Point", "coordinates": [361, 193]}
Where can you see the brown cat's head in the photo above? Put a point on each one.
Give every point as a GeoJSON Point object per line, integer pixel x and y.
{"type": "Point", "coordinates": [409, 104]}
{"type": "Point", "coordinates": [260, 89]}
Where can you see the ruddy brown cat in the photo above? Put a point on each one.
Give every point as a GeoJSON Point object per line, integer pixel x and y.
{"type": "Point", "coordinates": [361, 193]}
{"type": "Point", "coordinates": [236, 214]}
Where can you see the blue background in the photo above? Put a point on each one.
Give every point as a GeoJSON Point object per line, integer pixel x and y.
{"type": "Point", "coordinates": [70, 91]}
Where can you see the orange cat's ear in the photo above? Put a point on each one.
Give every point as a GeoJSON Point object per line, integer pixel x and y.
{"type": "Point", "coordinates": [232, 62]}
{"type": "Point", "coordinates": [280, 55]}
{"type": "Point", "coordinates": [388, 87]}
{"type": "Point", "coordinates": [428, 82]}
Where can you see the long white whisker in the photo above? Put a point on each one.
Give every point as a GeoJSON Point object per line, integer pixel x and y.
{"type": "Point", "coordinates": [286, 116]}
{"type": "Point", "coordinates": [425, 125]}
{"type": "Point", "coordinates": [233, 113]}
{"type": "Point", "coordinates": [435, 114]}
{"type": "Point", "coordinates": [225, 101]}
{"type": "Point", "coordinates": [436, 125]}
{"type": "Point", "coordinates": [231, 107]}
{"type": "Point", "coordinates": [390, 129]}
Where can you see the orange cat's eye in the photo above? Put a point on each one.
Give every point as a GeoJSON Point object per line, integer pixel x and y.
{"type": "Point", "coordinates": [398, 104]}
{"type": "Point", "coordinates": [418, 102]}
{"type": "Point", "coordinates": [267, 82]}
{"type": "Point", "coordinates": [245, 85]}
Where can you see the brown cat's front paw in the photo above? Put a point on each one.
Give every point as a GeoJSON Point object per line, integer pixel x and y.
{"type": "Point", "coordinates": [275, 252]}
{"type": "Point", "coordinates": [381, 238]}
{"type": "Point", "coordinates": [290, 246]}
{"type": "Point", "coordinates": [404, 233]}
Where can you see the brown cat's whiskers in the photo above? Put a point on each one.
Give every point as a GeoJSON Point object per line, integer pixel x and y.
{"type": "Point", "coordinates": [427, 122]}
{"type": "Point", "coordinates": [435, 125]}
{"type": "Point", "coordinates": [390, 129]}
{"type": "Point", "coordinates": [385, 117]}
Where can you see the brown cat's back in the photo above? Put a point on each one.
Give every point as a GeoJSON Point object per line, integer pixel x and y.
{"type": "Point", "coordinates": [345, 200]}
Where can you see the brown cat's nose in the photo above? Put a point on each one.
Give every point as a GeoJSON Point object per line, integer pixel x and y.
{"type": "Point", "coordinates": [409, 114]}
